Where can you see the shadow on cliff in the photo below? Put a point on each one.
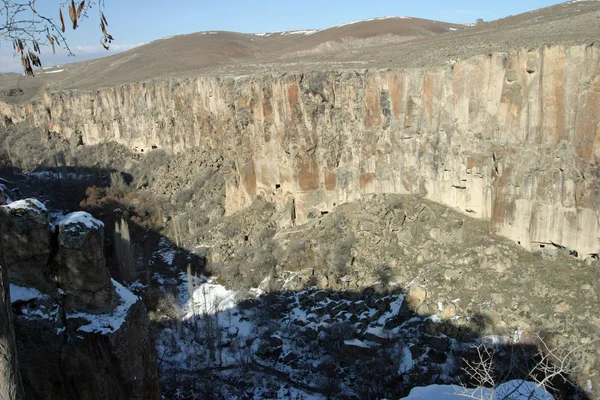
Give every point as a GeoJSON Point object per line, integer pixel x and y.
{"type": "Point", "coordinates": [337, 335]}
{"type": "Point", "coordinates": [62, 188]}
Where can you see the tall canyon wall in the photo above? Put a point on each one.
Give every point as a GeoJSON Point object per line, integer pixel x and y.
{"type": "Point", "coordinates": [510, 137]}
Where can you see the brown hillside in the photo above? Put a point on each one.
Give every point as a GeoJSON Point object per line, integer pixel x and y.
{"type": "Point", "coordinates": [378, 43]}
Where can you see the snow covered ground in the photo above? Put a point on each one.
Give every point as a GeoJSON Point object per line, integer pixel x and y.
{"type": "Point", "coordinates": [303, 345]}
{"type": "Point", "coordinates": [512, 390]}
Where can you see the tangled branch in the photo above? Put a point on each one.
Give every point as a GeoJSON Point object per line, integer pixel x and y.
{"type": "Point", "coordinates": [28, 30]}
{"type": "Point", "coordinates": [552, 363]}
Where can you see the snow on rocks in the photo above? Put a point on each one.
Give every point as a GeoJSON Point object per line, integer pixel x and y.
{"type": "Point", "coordinates": [33, 205]}
{"type": "Point", "coordinates": [24, 226]}
{"type": "Point", "coordinates": [33, 304]}
{"type": "Point", "coordinates": [517, 389]}
{"type": "Point", "coordinates": [307, 335]}
{"type": "Point", "coordinates": [107, 323]}
{"type": "Point", "coordinates": [70, 221]}
{"type": "Point", "coordinates": [356, 343]}
{"type": "Point", "coordinates": [21, 293]}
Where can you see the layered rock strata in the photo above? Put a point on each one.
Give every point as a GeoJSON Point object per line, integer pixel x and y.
{"type": "Point", "coordinates": [510, 137]}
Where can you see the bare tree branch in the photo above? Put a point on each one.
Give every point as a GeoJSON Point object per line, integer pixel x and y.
{"type": "Point", "coordinates": [28, 30]}
{"type": "Point", "coordinates": [552, 363]}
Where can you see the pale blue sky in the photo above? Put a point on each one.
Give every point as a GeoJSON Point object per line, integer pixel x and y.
{"type": "Point", "coordinates": [133, 22]}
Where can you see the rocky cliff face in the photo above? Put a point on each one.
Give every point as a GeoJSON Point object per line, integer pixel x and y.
{"type": "Point", "coordinates": [79, 334]}
{"type": "Point", "coordinates": [10, 380]}
{"type": "Point", "coordinates": [514, 138]}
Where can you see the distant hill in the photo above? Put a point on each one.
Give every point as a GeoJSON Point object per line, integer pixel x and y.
{"type": "Point", "coordinates": [374, 43]}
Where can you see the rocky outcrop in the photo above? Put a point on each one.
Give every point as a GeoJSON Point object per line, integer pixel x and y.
{"type": "Point", "coordinates": [510, 137]}
{"type": "Point", "coordinates": [81, 355]}
{"type": "Point", "coordinates": [83, 335]}
{"type": "Point", "coordinates": [10, 380]}
{"type": "Point", "coordinates": [25, 235]}
{"type": "Point", "coordinates": [83, 275]}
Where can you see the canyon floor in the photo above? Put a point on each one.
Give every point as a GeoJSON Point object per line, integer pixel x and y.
{"type": "Point", "coordinates": [365, 300]}
{"type": "Point", "coordinates": [393, 287]}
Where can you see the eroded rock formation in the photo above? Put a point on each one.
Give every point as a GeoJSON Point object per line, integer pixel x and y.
{"type": "Point", "coordinates": [10, 380]}
{"type": "Point", "coordinates": [83, 275]}
{"type": "Point", "coordinates": [511, 137]}
{"type": "Point", "coordinates": [25, 235]}
{"type": "Point", "coordinates": [79, 334]}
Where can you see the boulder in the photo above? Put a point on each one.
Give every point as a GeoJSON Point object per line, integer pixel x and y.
{"type": "Point", "coordinates": [270, 348]}
{"type": "Point", "coordinates": [26, 239]}
{"type": "Point", "coordinates": [82, 272]}
{"type": "Point", "coordinates": [355, 350]}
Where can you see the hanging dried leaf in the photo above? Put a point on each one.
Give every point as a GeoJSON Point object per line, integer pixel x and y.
{"type": "Point", "coordinates": [103, 27]}
{"type": "Point", "coordinates": [73, 14]}
{"type": "Point", "coordinates": [62, 21]}
{"type": "Point", "coordinates": [51, 41]}
{"type": "Point", "coordinates": [80, 9]}
{"type": "Point", "coordinates": [103, 18]}
{"type": "Point", "coordinates": [104, 45]}
{"type": "Point", "coordinates": [27, 65]}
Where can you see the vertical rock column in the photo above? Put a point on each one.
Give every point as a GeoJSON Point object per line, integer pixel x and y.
{"type": "Point", "coordinates": [10, 381]}
{"type": "Point", "coordinates": [25, 235]}
{"type": "Point", "coordinates": [82, 273]}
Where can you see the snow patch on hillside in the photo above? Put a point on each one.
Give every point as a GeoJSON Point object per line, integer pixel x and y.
{"type": "Point", "coordinates": [368, 20]}
{"type": "Point", "coordinates": [287, 33]}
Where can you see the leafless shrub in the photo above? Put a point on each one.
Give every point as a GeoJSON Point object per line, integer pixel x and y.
{"type": "Point", "coordinates": [241, 351]}
{"type": "Point", "coordinates": [117, 180]}
{"type": "Point", "coordinates": [165, 306]}
{"type": "Point", "coordinates": [552, 364]}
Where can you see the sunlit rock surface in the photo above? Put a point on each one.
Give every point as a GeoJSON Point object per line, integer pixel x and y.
{"type": "Point", "coordinates": [511, 137]}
